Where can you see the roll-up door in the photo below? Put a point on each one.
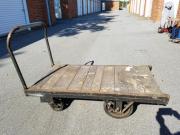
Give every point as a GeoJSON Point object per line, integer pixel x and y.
{"type": "Point", "coordinates": [148, 8]}
{"type": "Point", "coordinates": [92, 6]}
{"type": "Point", "coordinates": [85, 7]}
{"type": "Point", "coordinates": [79, 7]}
{"type": "Point", "coordinates": [142, 7]}
{"type": "Point", "coordinates": [12, 13]}
{"type": "Point", "coordinates": [89, 6]}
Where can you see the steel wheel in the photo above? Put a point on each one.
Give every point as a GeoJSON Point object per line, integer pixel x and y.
{"type": "Point", "coordinates": [57, 104]}
{"type": "Point", "coordinates": [118, 110]}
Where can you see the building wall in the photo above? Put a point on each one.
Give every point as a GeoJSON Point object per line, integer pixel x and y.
{"type": "Point", "coordinates": [38, 11]}
{"type": "Point", "coordinates": [178, 12]}
{"type": "Point", "coordinates": [69, 8]}
{"type": "Point", "coordinates": [111, 5]}
{"type": "Point", "coordinates": [176, 6]}
{"type": "Point", "coordinates": [52, 11]}
{"type": "Point", "coordinates": [157, 8]}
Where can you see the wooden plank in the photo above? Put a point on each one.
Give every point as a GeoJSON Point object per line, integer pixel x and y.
{"type": "Point", "coordinates": [96, 85]}
{"type": "Point", "coordinates": [145, 80]}
{"type": "Point", "coordinates": [128, 80]}
{"type": "Point", "coordinates": [149, 84]}
{"type": "Point", "coordinates": [79, 79]}
{"type": "Point", "coordinates": [107, 85]}
{"type": "Point", "coordinates": [43, 80]}
{"type": "Point", "coordinates": [134, 79]}
{"type": "Point", "coordinates": [51, 82]}
{"type": "Point", "coordinates": [89, 80]}
{"type": "Point", "coordinates": [41, 83]}
{"type": "Point", "coordinates": [143, 70]}
{"type": "Point", "coordinates": [121, 84]}
{"type": "Point", "coordinates": [63, 82]}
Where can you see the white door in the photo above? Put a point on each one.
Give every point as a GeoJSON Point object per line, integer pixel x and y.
{"type": "Point", "coordinates": [96, 5]}
{"type": "Point", "coordinates": [148, 8]}
{"type": "Point", "coordinates": [89, 6]}
{"type": "Point", "coordinates": [85, 6]}
{"type": "Point", "coordinates": [99, 5]}
{"type": "Point", "coordinates": [138, 7]}
{"type": "Point", "coordinates": [79, 7]}
{"type": "Point", "coordinates": [142, 7]}
{"type": "Point", "coordinates": [92, 6]}
{"type": "Point", "coordinates": [103, 6]}
{"type": "Point", "coordinates": [12, 13]}
{"type": "Point", "coordinates": [134, 6]}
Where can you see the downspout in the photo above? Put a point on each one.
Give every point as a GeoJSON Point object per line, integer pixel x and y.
{"type": "Point", "coordinates": [48, 12]}
{"type": "Point", "coordinates": [25, 10]}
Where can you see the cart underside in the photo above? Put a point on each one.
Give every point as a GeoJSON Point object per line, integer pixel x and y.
{"type": "Point", "coordinates": [97, 82]}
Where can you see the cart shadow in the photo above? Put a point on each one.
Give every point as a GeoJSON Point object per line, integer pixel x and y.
{"type": "Point", "coordinates": [67, 103]}
{"type": "Point", "coordinates": [93, 23]}
{"type": "Point", "coordinates": [164, 130]}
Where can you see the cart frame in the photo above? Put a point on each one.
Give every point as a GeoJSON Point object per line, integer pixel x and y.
{"type": "Point", "coordinates": [118, 106]}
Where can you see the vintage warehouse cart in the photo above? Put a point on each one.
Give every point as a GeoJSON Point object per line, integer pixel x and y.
{"type": "Point", "coordinates": [119, 86]}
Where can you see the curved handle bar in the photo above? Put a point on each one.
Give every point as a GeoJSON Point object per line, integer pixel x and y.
{"type": "Point", "coordinates": [90, 62]}
{"type": "Point", "coordinates": [9, 48]}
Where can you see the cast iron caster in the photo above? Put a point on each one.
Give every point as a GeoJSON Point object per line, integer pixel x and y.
{"type": "Point", "coordinates": [57, 104]}
{"type": "Point", "coordinates": [118, 109]}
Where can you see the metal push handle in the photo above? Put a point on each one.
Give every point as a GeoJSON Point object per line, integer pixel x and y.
{"type": "Point", "coordinates": [10, 50]}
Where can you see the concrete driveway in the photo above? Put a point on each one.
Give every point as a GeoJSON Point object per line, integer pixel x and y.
{"type": "Point", "coordinates": [107, 38]}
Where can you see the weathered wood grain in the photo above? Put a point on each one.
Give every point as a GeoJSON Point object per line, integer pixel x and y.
{"type": "Point", "coordinates": [89, 79]}
{"type": "Point", "coordinates": [79, 79]}
{"type": "Point", "coordinates": [113, 80]}
{"type": "Point", "coordinates": [65, 80]}
{"type": "Point", "coordinates": [51, 82]}
{"type": "Point", "coordinates": [107, 84]}
{"type": "Point", "coordinates": [96, 85]}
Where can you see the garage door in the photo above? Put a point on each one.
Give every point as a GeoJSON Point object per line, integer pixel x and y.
{"type": "Point", "coordinates": [12, 13]}
{"type": "Point", "coordinates": [85, 6]}
{"type": "Point", "coordinates": [79, 7]}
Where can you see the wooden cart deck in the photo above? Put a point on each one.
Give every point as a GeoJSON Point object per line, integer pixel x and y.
{"type": "Point", "coordinates": [127, 82]}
